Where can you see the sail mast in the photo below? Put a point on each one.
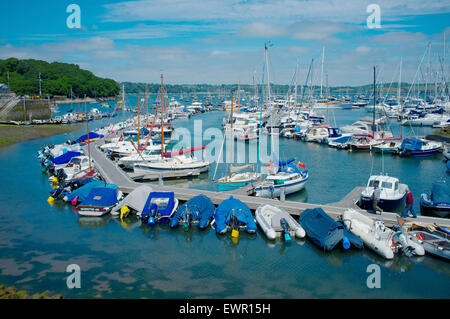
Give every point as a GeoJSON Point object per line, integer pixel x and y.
{"type": "Point", "coordinates": [162, 116]}
{"type": "Point", "coordinates": [321, 72]}
{"type": "Point", "coordinates": [139, 119]}
{"type": "Point", "coordinates": [374, 102]}
{"type": "Point", "coordinates": [231, 135]}
{"type": "Point", "coordinates": [400, 100]}
{"type": "Point", "coordinates": [87, 128]}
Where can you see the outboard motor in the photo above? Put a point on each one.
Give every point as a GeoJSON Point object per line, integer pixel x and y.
{"type": "Point", "coordinates": [234, 222]}
{"type": "Point", "coordinates": [60, 175]}
{"type": "Point", "coordinates": [284, 224]}
{"type": "Point", "coordinates": [150, 218]}
{"type": "Point", "coordinates": [187, 219]}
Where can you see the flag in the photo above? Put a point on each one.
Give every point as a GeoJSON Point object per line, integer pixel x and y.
{"type": "Point", "coordinates": [301, 164]}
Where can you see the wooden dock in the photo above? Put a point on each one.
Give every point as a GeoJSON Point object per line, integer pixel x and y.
{"type": "Point", "coordinates": [112, 173]}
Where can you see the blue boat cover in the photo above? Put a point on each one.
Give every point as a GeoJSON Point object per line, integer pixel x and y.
{"type": "Point", "coordinates": [65, 158]}
{"type": "Point", "coordinates": [448, 166]}
{"type": "Point", "coordinates": [101, 197]}
{"type": "Point", "coordinates": [92, 135]}
{"type": "Point", "coordinates": [84, 190]}
{"type": "Point", "coordinates": [241, 210]}
{"type": "Point", "coordinates": [440, 193]}
{"type": "Point", "coordinates": [201, 209]}
{"type": "Point", "coordinates": [412, 144]}
{"type": "Point", "coordinates": [324, 231]}
{"type": "Point", "coordinates": [165, 207]}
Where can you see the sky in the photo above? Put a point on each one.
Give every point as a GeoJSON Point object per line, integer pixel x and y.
{"type": "Point", "coordinates": [222, 41]}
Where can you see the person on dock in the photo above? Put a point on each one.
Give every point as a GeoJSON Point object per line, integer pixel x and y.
{"type": "Point", "coordinates": [376, 198]}
{"type": "Point", "coordinates": [409, 211]}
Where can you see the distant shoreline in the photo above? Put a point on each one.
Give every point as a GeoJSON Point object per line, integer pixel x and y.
{"type": "Point", "coordinates": [12, 134]}
{"type": "Point", "coordinates": [87, 100]}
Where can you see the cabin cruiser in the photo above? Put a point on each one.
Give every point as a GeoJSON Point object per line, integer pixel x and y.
{"type": "Point", "coordinates": [180, 164]}
{"type": "Point", "coordinates": [392, 194]}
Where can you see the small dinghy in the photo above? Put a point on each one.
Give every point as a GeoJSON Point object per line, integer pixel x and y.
{"type": "Point", "coordinates": [158, 208]}
{"type": "Point", "coordinates": [434, 238]}
{"type": "Point", "coordinates": [198, 210]}
{"type": "Point", "coordinates": [325, 232]}
{"type": "Point", "coordinates": [372, 232]}
{"type": "Point", "coordinates": [99, 202]}
{"type": "Point", "coordinates": [235, 215]}
{"type": "Point", "coordinates": [276, 222]}
{"type": "Point", "coordinates": [135, 200]}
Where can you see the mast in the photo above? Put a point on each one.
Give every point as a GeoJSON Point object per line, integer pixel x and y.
{"type": "Point", "coordinates": [231, 135]}
{"type": "Point", "coordinates": [400, 100]}
{"type": "Point", "coordinates": [321, 72]}
{"type": "Point", "coordinates": [123, 110]}
{"type": "Point", "coordinates": [162, 116]}
{"type": "Point", "coordinates": [374, 102]}
{"type": "Point", "coordinates": [239, 95]}
{"type": "Point", "coordinates": [139, 118]}
{"type": "Point", "coordinates": [146, 102]}
{"type": "Point", "coordinates": [88, 139]}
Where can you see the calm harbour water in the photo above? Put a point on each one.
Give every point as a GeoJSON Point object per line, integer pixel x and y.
{"type": "Point", "coordinates": [127, 260]}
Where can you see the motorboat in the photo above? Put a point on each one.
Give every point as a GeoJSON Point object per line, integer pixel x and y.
{"type": "Point", "coordinates": [437, 203]}
{"type": "Point", "coordinates": [326, 232]}
{"type": "Point", "coordinates": [276, 222]}
{"type": "Point", "coordinates": [419, 147]}
{"type": "Point", "coordinates": [198, 210]}
{"type": "Point", "coordinates": [98, 202]}
{"type": "Point", "coordinates": [234, 215]}
{"type": "Point", "coordinates": [158, 208]}
{"type": "Point", "coordinates": [287, 179]}
{"type": "Point", "coordinates": [134, 201]}
{"type": "Point", "coordinates": [392, 193]}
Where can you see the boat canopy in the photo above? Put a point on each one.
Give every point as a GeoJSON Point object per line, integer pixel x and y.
{"type": "Point", "coordinates": [240, 210]}
{"type": "Point", "coordinates": [412, 144]}
{"type": "Point", "coordinates": [92, 135]}
{"type": "Point", "coordinates": [84, 190]}
{"type": "Point", "coordinates": [101, 197]}
{"type": "Point", "coordinates": [440, 193]}
{"type": "Point", "coordinates": [164, 201]}
{"type": "Point", "coordinates": [200, 207]}
{"type": "Point", "coordinates": [65, 158]}
{"type": "Point", "coordinates": [135, 200]}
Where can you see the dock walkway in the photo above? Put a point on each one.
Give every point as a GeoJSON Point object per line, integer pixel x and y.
{"type": "Point", "coordinates": [113, 174]}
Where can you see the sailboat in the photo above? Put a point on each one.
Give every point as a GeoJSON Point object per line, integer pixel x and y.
{"type": "Point", "coordinates": [234, 181]}
{"type": "Point", "coordinates": [287, 179]}
{"type": "Point", "coordinates": [172, 161]}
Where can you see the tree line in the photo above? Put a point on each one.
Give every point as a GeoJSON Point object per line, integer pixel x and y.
{"type": "Point", "coordinates": [56, 79]}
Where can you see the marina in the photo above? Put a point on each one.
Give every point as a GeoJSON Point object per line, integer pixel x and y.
{"type": "Point", "coordinates": [235, 150]}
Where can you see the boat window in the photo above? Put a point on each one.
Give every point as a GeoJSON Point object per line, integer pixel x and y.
{"type": "Point", "coordinates": [386, 185]}
{"type": "Point", "coordinates": [75, 160]}
{"type": "Point", "coordinates": [396, 186]}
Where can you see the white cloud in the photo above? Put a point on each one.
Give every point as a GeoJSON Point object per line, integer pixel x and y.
{"type": "Point", "coordinates": [362, 49]}
{"type": "Point", "coordinates": [399, 37]}
{"type": "Point", "coordinates": [261, 30]}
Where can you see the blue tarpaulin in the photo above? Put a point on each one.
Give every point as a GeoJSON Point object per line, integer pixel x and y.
{"type": "Point", "coordinates": [65, 158]}
{"type": "Point", "coordinates": [412, 144]}
{"type": "Point", "coordinates": [101, 197]}
{"type": "Point", "coordinates": [240, 210]}
{"type": "Point", "coordinates": [440, 193]}
{"type": "Point", "coordinates": [165, 203]}
{"type": "Point", "coordinates": [200, 208]}
{"type": "Point", "coordinates": [84, 190]}
{"type": "Point", "coordinates": [92, 135]}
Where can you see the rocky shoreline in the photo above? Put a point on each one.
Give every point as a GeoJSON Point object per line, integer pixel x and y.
{"type": "Point", "coordinates": [12, 293]}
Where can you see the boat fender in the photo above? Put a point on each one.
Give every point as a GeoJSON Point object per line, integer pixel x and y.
{"type": "Point", "coordinates": [50, 199]}
{"type": "Point", "coordinates": [75, 201]}
{"type": "Point", "coordinates": [345, 243]}
{"type": "Point", "coordinates": [54, 180]}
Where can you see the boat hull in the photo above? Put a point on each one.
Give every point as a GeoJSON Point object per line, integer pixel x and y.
{"type": "Point", "coordinates": [275, 191]}
{"type": "Point", "coordinates": [388, 205]}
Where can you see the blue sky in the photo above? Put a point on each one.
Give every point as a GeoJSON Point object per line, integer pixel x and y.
{"type": "Point", "coordinates": [219, 41]}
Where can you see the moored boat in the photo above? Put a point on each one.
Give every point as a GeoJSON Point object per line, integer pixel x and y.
{"type": "Point", "coordinates": [392, 194]}
{"type": "Point", "coordinates": [325, 232]}
{"type": "Point", "coordinates": [276, 222]}
{"type": "Point", "coordinates": [437, 203]}
{"type": "Point", "coordinates": [198, 210]}
{"type": "Point", "coordinates": [99, 202]}
{"type": "Point", "coordinates": [234, 215]}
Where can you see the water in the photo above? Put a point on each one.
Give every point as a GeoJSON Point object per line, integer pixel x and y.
{"type": "Point", "coordinates": [126, 260]}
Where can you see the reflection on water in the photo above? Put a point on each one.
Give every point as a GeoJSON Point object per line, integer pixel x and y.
{"type": "Point", "coordinates": [125, 259]}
